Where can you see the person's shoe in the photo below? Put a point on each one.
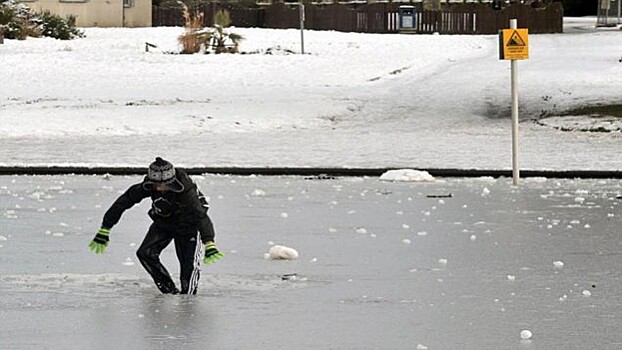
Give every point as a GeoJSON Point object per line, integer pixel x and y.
{"type": "Point", "coordinates": [167, 288]}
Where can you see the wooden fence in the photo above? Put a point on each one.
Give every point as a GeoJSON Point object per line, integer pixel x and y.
{"type": "Point", "coordinates": [379, 17]}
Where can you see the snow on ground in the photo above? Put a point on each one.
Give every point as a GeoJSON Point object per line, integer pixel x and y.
{"type": "Point", "coordinates": [584, 123]}
{"type": "Point", "coordinates": [365, 100]}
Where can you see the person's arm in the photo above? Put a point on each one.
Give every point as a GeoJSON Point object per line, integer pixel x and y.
{"type": "Point", "coordinates": [132, 196]}
{"type": "Point", "coordinates": [203, 200]}
{"type": "Point", "coordinates": [206, 228]}
{"type": "Point", "coordinates": [199, 206]}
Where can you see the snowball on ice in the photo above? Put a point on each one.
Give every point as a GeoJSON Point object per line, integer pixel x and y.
{"type": "Point", "coordinates": [279, 252]}
{"type": "Point", "coordinates": [525, 334]}
{"type": "Point", "coordinates": [407, 175]}
{"type": "Point", "coordinates": [258, 193]}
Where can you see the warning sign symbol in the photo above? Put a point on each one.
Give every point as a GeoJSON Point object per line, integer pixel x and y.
{"type": "Point", "coordinates": [514, 44]}
{"type": "Point", "coordinates": [516, 40]}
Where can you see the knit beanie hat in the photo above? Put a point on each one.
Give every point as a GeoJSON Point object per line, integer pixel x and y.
{"type": "Point", "coordinates": [162, 171]}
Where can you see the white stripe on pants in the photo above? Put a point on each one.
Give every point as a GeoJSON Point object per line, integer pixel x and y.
{"type": "Point", "coordinates": [194, 277]}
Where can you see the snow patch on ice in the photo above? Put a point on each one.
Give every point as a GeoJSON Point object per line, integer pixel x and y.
{"type": "Point", "coordinates": [407, 175]}
{"type": "Point", "coordinates": [485, 192]}
{"type": "Point", "coordinates": [361, 230]}
{"type": "Point", "coordinates": [258, 193]}
{"type": "Point", "coordinates": [279, 252]}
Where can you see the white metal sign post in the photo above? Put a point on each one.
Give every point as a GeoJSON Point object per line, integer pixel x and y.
{"type": "Point", "coordinates": [514, 82]}
{"type": "Point", "coordinates": [302, 28]}
{"type": "Point", "coordinates": [514, 46]}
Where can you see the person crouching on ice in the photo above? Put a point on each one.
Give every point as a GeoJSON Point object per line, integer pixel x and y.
{"type": "Point", "coordinates": [179, 213]}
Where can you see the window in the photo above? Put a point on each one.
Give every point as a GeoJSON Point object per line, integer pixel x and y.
{"type": "Point", "coordinates": [128, 3]}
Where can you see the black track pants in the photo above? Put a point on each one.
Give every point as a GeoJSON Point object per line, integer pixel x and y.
{"type": "Point", "coordinates": [188, 249]}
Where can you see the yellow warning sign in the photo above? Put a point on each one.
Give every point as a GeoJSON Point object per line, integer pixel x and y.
{"type": "Point", "coordinates": [514, 44]}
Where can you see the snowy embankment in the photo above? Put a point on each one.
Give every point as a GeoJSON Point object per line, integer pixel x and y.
{"type": "Point", "coordinates": [354, 100]}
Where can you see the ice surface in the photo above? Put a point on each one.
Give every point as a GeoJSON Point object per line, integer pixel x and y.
{"type": "Point", "coordinates": [352, 292]}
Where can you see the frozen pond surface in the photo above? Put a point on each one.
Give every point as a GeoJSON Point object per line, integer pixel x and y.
{"type": "Point", "coordinates": [382, 266]}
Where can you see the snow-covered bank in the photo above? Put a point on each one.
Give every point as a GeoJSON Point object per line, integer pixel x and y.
{"type": "Point", "coordinates": [361, 100]}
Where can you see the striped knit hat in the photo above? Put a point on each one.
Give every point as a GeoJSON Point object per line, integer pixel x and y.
{"type": "Point", "coordinates": [162, 171]}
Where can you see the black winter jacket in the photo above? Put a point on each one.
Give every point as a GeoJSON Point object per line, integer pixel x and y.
{"type": "Point", "coordinates": [182, 212]}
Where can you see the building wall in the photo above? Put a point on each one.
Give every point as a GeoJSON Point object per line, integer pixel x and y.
{"type": "Point", "coordinates": [139, 14]}
{"type": "Point", "coordinates": [98, 13]}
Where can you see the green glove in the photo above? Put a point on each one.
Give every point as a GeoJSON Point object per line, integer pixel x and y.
{"type": "Point", "coordinates": [100, 242]}
{"type": "Point", "coordinates": [211, 253]}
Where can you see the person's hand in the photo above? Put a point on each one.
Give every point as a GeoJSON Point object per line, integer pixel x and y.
{"type": "Point", "coordinates": [100, 242]}
{"type": "Point", "coordinates": [211, 253]}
